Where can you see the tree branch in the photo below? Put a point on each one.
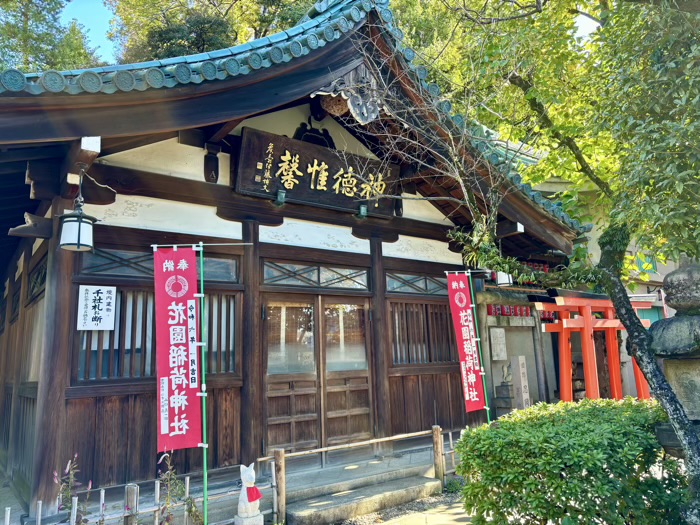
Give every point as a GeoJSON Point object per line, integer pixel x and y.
{"type": "Point", "coordinates": [478, 16]}
{"type": "Point", "coordinates": [688, 6]}
{"type": "Point", "coordinates": [541, 112]}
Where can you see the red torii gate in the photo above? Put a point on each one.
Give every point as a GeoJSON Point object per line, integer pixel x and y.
{"type": "Point", "coordinates": [586, 324]}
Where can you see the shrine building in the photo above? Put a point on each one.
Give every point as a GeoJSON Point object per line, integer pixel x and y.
{"type": "Point", "coordinates": [327, 312]}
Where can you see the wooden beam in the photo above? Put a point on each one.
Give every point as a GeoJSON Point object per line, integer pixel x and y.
{"type": "Point", "coordinates": [578, 324]}
{"type": "Point", "coordinates": [80, 157]}
{"type": "Point", "coordinates": [42, 177]}
{"type": "Point", "coordinates": [234, 206]}
{"type": "Point", "coordinates": [508, 228]}
{"type": "Point", "coordinates": [34, 227]}
{"type": "Point", "coordinates": [576, 302]}
{"type": "Point", "coordinates": [113, 145]}
{"type": "Point", "coordinates": [217, 133]}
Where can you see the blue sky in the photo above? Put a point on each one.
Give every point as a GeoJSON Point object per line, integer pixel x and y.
{"type": "Point", "coordinates": [95, 17]}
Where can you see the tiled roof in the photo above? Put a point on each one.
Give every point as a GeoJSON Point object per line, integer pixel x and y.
{"type": "Point", "coordinates": [325, 22]}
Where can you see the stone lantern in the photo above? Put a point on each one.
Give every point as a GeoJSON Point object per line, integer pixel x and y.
{"type": "Point", "coordinates": [677, 341]}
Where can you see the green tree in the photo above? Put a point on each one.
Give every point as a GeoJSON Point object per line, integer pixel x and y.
{"type": "Point", "coordinates": [28, 33]}
{"type": "Point", "coordinates": [32, 37]}
{"type": "Point", "coordinates": [72, 51]}
{"type": "Point", "coordinates": [137, 21]}
{"type": "Point", "coordinates": [615, 111]}
{"type": "Point", "coordinates": [197, 33]}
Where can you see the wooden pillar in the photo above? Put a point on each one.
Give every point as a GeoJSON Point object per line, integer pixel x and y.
{"type": "Point", "coordinates": [281, 485]}
{"type": "Point", "coordinates": [538, 346]}
{"type": "Point", "coordinates": [16, 346]}
{"type": "Point", "coordinates": [380, 337]}
{"type": "Point", "coordinates": [252, 422]}
{"type": "Point", "coordinates": [566, 387]}
{"type": "Point", "coordinates": [641, 382]}
{"type": "Point", "coordinates": [55, 361]}
{"type": "Point", "coordinates": [590, 369]}
{"type": "Point", "coordinates": [5, 349]}
{"type": "Point", "coordinates": [613, 350]}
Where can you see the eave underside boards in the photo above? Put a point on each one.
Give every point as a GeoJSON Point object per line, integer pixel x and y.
{"type": "Point", "coordinates": [446, 197]}
{"type": "Point", "coordinates": [65, 117]}
{"type": "Point", "coordinates": [14, 192]}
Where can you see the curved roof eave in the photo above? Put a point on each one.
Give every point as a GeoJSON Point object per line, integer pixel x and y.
{"type": "Point", "coordinates": [50, 93]}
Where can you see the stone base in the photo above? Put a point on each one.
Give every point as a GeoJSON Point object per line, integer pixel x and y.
{"type": "Point", "coordinates": [253, 520]}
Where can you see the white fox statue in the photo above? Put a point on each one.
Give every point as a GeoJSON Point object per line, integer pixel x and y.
{"type": "Point", "coordinates": [249, 500]}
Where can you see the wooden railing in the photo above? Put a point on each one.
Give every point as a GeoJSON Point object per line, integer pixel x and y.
{"type": "Point", "coordinates": [279, 458]}
{"type": "Point", "coordinates": [136, 509]}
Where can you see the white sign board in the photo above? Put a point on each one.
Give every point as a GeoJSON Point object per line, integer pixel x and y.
{"type": "Point", "coordinates": [96, 305]}
{"type": "Point", "coordinates": [498, 344]}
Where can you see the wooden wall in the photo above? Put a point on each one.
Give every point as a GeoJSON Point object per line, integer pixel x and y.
{"type": "Point", "coordinates": [426, 397]}
{"type": "Point", "coordinates": [115, 435]}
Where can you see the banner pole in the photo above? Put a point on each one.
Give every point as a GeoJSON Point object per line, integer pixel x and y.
{"type": "Point", "coordinates": [203, 340]}
{"type": "Point", "coordinates": [478, 342]}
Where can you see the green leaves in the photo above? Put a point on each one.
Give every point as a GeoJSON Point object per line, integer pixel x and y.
{"type": "Point", "coordinates": [593, 462]}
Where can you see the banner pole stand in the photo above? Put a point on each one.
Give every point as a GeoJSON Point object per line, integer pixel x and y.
{"type": "Point", "coordinates": [203, 339]}
{"type": "Point", "coordinates": [481, 356]}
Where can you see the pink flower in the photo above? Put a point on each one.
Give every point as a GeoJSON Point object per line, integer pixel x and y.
{"type": "Point", "coordinates": [165, 455]}
{"type": "Point", "coordinates": [67, 467]}
{"type": "Point", "coordinates": [89, 485]}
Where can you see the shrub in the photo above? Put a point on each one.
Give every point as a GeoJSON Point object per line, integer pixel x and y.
{"type": "Point", "coordinates": [593, 462]}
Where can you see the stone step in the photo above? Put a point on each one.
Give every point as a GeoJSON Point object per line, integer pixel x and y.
{"type": "Point", "coordinates": [320, 483]}
{"type": "Point", "coordinates": [339, 506]}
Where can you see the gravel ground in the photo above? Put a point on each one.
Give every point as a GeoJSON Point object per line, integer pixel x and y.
{"type": "Point", "coordinates": [420, 505]}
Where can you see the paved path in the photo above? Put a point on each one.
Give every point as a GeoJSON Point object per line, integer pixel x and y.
{"type": "Point", "coordinates": [448, 514]}
{"type": "Point", "coordinates": [8, 498]}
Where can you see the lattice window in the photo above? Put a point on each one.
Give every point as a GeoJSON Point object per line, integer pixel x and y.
{"type": "Point", "coordinates": [128, 350]}
{"type": "Point", "coordinates": [3, 316]}
{"type": "Point", "coordinates": [140, 264]}
{"type": "Point", "coordinates": [118, 262]}
{"type": "Point", "coordinates": [415, 284]}
{"type": "Point", "coordinates": [16, 300]}
{"type": "Point", "coordinates": [288, 274]}
{"type": "Point", "coordinates": [37, 280]}
{"type": "Point", "coordinates": [421, 333]}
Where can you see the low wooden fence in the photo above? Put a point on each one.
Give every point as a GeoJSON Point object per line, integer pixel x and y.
{"type": "Point", "coordinates": [137, 509]}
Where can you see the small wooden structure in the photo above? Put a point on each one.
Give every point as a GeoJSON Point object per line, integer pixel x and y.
{"type": "Point", "coordinates": [577, 314]}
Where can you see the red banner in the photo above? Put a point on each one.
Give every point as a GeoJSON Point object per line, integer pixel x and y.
{"type": "Point", "coordinates": [177, 351]}
{"type": "Point", "coordinates": [465, 331]}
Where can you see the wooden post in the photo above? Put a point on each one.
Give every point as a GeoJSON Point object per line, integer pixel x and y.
{"type": "Point", "coordinates": [281, 485]}
{"type": "Point", "coordinates": [438, 455]}
{"type": "Point", "coordinates": [156, 501]}
{"type": "Point", "coordinates": [17, 348]}
{"type": "Point", "coordinates": [590, 369]}
{"type": "Point", "coordinates": [252, 422]}
{"type": "Point", "coordinates": [641, 382]}
{"type": "Point", "coordinates": [613, 350]}
{"type": "Point", "coordinates": [131, 504]}
{"type": "Point", "coordinates": [7, 515]}
{"type": "Point", "coordinates": [38, 512]}
{"type": "Point", "coordinates": [73, 511]}
{"type": "Point", "coordinates": [55, 363]}
{"type": "Point", "coordinates": [185, 516]}
{"type": "Point", "coordinates": [542, 386]}
{"type": "Point", "coordinates": [102, 504]}
{"type": "Point", "coordinates": [566, 388]}
{"type": "Point", "coordinates": [380, 336]}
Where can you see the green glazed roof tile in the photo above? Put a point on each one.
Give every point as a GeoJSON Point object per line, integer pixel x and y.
{"type": "Point", "coordinates": [326, 21]}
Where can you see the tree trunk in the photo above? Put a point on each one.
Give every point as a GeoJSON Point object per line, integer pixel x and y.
{"type": "Point", "coordinates": [613, 244]}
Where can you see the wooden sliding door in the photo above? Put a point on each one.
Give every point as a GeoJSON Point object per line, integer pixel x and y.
{"type": "Point", "coordinates": [317, 377]}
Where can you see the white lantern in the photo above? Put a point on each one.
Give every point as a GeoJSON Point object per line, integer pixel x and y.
{"type": "Point", "coordinates": [76, 230]}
